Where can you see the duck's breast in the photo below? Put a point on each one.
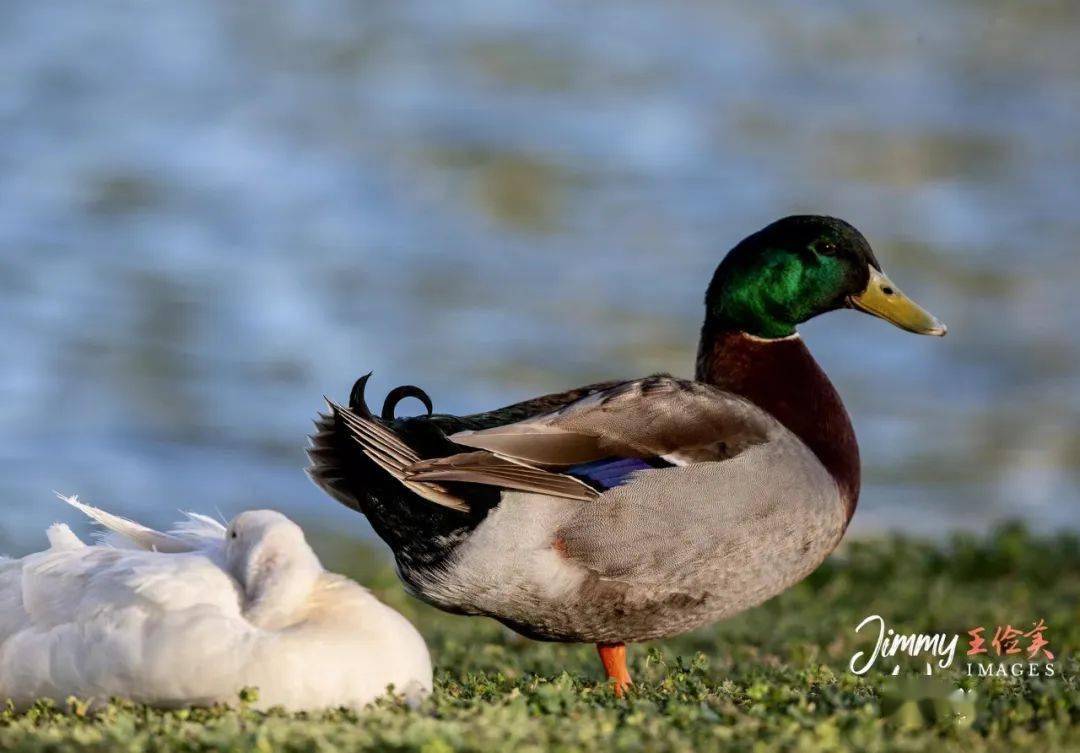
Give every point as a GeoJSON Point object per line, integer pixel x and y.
{"type": "Point", "coordinates": [347, 650]}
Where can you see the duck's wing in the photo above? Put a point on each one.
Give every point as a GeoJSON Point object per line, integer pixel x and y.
{"type": "Point", "coordinates": [68, 584]}
{"type": "Point", "coordinates": [521, 411]}
{"type": "Point", "coordinates": [658, 418]}
{"type": "Point", "coordinates": [99, 621]}
{"type": "Point", "coordinates": [579, 449]}
{"type": "Point", "coordinates": [495, 470]}
{"type": "Point", "coordinates": [70, 581]}
{"type": "Point", "coordinates": [361, 459]}
{"type": "Point", "coordinates": [13, 614]}
{"type": "Point", "coordinates": [384, 448]}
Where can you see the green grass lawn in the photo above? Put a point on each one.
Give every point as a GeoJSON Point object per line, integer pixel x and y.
{"type": "Point", "coordinates": [775, 678]}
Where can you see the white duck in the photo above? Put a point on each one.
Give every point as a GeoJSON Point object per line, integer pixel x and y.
{"type": "Point", "coordinates": [192, 616]}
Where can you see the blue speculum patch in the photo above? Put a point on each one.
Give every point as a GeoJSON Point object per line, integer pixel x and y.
{"type": "Point", "coordinates": [610, 472]}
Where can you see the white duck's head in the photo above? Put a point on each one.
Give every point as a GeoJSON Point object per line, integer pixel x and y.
{"type": "Point", "coordinates": [268, 554]}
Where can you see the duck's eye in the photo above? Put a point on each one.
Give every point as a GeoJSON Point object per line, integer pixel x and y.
{"type": "Point", "coordinates": [232, 535]}
{"type": "Point", "coordinates": [828, 248]}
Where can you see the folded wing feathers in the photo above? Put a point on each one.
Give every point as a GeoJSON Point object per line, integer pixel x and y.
{"type": "Point", "coordinates": [200, 530]}
{"type": "Point", "coordinates": [388, 452]}
{"type": "Point", "coordinates": [379, 438]}
{"type": "Point", "coordinates": [135, 533]}
{"type": "Point", "coordinates": [535, 442]}
{"type": "Point", "coordinates": [487, 468]}
{"type": "Point", "coordinates": [653, 417]}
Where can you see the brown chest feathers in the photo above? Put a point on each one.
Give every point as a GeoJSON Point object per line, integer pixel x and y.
{"type": "Point", "coordinates": [782, 377]}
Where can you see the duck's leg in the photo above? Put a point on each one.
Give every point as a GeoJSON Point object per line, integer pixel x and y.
{"type": "Point", "coordinates": [613, 656]}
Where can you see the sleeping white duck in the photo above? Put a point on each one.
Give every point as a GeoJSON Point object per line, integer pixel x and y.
{"type": "Point", "coordinates": [192, 616]}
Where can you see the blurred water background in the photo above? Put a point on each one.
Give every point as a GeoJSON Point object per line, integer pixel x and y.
{"type": "Point", "coordinates": [214, 213]}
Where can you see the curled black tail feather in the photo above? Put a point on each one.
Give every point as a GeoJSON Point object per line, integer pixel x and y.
{"type": "Point", "coordinates": [358, 402]}
{"type": "Point", "coordinates": [356, 396]}
{"type": "Point", "coordinates": [398, 394]}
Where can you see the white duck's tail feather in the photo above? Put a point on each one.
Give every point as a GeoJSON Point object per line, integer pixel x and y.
{"type": "Point", "coordinates": [62, 537]}
{"type": "Point", "coordinates": [198, 529]}
{"type": "Point", "coordinates": [135, 533]}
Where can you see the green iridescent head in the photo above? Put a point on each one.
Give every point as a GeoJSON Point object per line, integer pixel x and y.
{"type": "Point", "coordinates": [800, 267]}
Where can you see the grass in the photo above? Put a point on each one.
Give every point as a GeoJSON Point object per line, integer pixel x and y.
{"type": "Point", "coordinates": [773, 679]}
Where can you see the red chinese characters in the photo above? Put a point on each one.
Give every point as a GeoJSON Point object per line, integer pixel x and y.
{"type": "Point", "coordinates": [1007, 640]}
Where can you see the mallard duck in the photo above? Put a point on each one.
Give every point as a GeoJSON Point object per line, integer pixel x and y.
{"type": "Point", "coordinates": [194, 615]}
{"type": "Point", "coordinates": [635, 509]}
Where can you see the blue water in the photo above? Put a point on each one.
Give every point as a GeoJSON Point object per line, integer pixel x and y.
{"type": "Point", "coordinates": [213, 214]}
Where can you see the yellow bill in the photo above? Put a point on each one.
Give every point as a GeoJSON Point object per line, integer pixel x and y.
{"type": "Point", "coordinates": [884, 300]}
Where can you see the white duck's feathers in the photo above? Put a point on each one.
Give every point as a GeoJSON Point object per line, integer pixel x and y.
{"type": "Point", "coordinates": [198, 526]}
{"type": "Point", "coordinates": [62, 537]}
{"type": "Point", "coordinates": [195, 532]}
{"type": "Point", "coordinates": [193, 627]}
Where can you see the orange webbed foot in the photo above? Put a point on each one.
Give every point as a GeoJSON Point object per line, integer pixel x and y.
{"type": "Point", "coordinates": [613, 657]}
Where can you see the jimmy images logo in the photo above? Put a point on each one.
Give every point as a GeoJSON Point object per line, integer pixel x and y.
{"type": "Point", "coordinates": [1011, 652]}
